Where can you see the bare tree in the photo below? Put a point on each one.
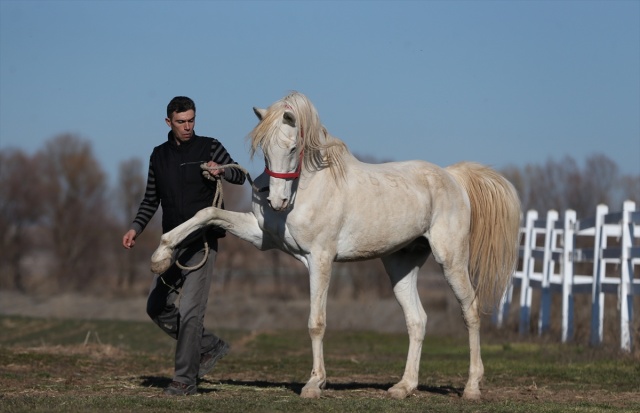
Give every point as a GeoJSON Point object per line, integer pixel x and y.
{"type": "Point", "coordinates": [236, 197]}
{"type": "Point", "coordinates": [629, 189]}
{"type": "Point", "coordinates": [130, 190]}
{"type": "Point", "coordinates": [76, 213]}
{"type": "Point", "coordinates": [549, 184]}
{"type": "Point", "coordinates": [600, 179]}
{"type": "Point", "coordinates": [131, 186]}
{"type": "Point", "coordinates": [20, 208]}
{"type": "Point", "coordinates": [561, 185]}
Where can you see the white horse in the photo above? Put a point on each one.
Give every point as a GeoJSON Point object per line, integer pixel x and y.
{"type": "Point", "coordinates": [323, 205]}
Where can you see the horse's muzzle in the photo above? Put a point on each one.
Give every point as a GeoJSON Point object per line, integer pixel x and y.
{"type": "Point", "coordinates": [279, 205]}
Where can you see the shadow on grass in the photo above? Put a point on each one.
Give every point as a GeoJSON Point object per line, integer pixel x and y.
{"type": "Point", "coordinates": [162, 382]}
{"type": "Point", "coordinates": [297, 387]}
{"type": "Point", "coordinates": [155, 381]}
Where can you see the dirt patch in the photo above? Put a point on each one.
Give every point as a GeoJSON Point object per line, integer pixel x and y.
{"type": "Point", "coordinates": [533, 393]}
{"type": "Point", "coordinates": [94, 351]}
{"type": "Point", "coordinates": [241, 312]}
{"type": "Point", "coordinates": [107, 371]}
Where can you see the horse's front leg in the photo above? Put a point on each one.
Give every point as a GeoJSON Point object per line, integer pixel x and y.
{"type": "Point", "coordinates": [241, 224]}
{"type": "Point", "coordinates": [319, 278]}
{"type": "Point", "coordinates": [162, 257]}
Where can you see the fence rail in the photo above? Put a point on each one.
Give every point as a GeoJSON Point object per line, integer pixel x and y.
{"type": "Point", "coordinates": [551, 248]}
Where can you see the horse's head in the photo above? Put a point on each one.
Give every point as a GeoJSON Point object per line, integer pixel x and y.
{"type": "Point", "coordinates": [294, 142]}
{"type": "Point", "coordinates": [282, 145]}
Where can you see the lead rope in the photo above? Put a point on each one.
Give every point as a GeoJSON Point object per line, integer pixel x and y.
{"type": "Point", "coordinates": [217, 202]}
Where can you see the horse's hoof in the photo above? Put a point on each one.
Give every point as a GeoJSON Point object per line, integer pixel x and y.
{"type": "Point", "coordinates": [158, 267]}
{"type": "Point", "coordinates": [310, 393]}
{"type": "Point", "coordinates": [471, 394]}
{"type": "Point", "coordinates": [399, 392]}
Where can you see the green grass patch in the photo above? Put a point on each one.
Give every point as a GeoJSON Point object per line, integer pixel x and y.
{"type": "Point", "coordinates": [115, 366]}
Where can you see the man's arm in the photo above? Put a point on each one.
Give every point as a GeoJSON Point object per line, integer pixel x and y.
{"type": "Point", "coordinates": [146, 210]}
{"type": "Point", "coordinates": [220, 156]}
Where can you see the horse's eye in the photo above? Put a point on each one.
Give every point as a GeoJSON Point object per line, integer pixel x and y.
{"type": "Point", "coordinates": [292, 150]}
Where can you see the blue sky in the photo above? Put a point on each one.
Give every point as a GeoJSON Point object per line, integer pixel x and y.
{"type": "Point", "coordinates": [497, 82]}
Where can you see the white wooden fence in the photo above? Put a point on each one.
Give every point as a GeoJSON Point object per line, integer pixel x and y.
{"type": "Point", "coordinates": [549, 252]}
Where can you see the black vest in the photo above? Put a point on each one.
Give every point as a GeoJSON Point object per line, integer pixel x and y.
{"type": "Point", "coordinates": [180, 186]}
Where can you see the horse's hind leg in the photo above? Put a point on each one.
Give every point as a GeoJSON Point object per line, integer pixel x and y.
{"type": "Point", "coordinates": [457, 276]}
{"type": "Point", "coordinates": [402, 267]}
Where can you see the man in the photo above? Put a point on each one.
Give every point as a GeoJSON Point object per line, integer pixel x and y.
{"type": "Point", "coordinates": [175, 182]}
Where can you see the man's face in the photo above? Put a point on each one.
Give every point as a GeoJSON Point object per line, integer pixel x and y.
{"type": "Point", "coordinates": [181, 124]}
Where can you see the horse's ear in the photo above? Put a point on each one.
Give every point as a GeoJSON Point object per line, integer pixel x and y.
{"type": "Point", "coordinates": [259, 112]}
{"type": "Point", "coordinates": [289, 119]}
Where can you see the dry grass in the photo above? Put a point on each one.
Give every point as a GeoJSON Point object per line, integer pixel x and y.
{"type": "Point", "coordinates": [122, 366]}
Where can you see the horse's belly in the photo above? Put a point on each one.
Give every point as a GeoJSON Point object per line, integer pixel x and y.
{"type": "Point", "coordinates": [375, 241]}
{"type": "Point", "coordinates": [381, 223]}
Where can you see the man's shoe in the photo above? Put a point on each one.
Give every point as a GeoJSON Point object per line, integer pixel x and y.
{"type": "Point", "coordinates": [180, 389]}
{"type": "Point", "coordinates": [210, 358]}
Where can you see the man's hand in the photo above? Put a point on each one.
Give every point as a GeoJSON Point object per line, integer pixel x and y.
{"type": "Point", "coordinates": [210, 167]}
{"type": "Point", "coordinates": [129, 239]}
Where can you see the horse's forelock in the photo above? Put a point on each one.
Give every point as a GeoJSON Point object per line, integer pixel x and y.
{"type": "Point", "coordinates": [316, 139]}
{"type": "Point", "coordinates": [264, 131]}
{"type": "Point", "coordinates": [321, 149]}
{"type": "Point", "coordinates": [302, 109]}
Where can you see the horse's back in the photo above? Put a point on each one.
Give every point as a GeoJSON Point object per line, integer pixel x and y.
{"type": "Point", "coordinates": [412, 184]}
{"type": "Point", "coordinates": [379, 208]}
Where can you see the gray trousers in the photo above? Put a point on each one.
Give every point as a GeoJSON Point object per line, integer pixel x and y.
{"type": "Point", "coordinates": [185, 323]}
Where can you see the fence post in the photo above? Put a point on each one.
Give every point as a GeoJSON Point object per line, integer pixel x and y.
{"type": "Point", "coordinates": [626, 277]}
{"type": "Point", "coordinates": [547, 271]}
{"type": "Point", "coordinates": [597, 296]}
{"type": "Point", "coordinates": [563, 251]}
{"type": "Point", "coordinates": [567, 274]}
{"type": "Point", "coordinates": [527, 264]}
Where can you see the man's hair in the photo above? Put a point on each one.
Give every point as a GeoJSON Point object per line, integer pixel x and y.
{"type": "Point", "coordinates": [180, 104]}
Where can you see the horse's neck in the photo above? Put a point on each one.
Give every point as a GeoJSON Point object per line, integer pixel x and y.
{"type": "Point", "coordinates": [327, 157]}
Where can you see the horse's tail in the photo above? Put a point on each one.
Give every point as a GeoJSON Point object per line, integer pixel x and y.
{"type": "Point", "coordinates": [494, 234]}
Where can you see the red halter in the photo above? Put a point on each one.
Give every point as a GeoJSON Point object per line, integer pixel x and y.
{"type": "Point", "coordinates": [289, 175]}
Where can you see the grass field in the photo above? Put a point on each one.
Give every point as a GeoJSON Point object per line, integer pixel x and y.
{"type": "Point", "coordinates": [116, 366]}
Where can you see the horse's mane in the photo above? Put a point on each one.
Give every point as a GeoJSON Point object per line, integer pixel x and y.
{"type": "Point", "coordinates": [321, 150]}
